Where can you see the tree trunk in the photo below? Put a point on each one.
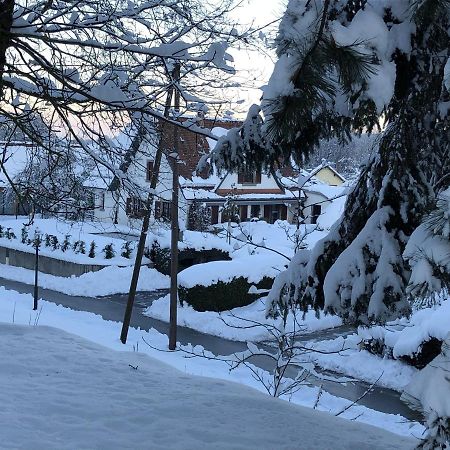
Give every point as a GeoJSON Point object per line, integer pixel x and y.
{"type": "Point", "coordinates": [6, 21]}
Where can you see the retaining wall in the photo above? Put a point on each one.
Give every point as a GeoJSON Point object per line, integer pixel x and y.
{"type": "Point", "coordinates": [48, 265]}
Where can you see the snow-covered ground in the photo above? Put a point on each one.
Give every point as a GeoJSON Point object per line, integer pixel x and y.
{"type": "Point", "coordinates": [66, 392]}
{"type": "Point", "coordinates": [16, 308]}
{"type": "Point", "coordinates": [248, 323]}
{"type": "Point", "coordinates": [107, 281]}
{"type": "Point", "coordinates": [75, 231]}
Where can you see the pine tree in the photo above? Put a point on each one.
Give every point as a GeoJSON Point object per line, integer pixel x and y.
{"type": "Point", "coordinates": [66, 243]}
{"type": "Point", "coordinates": [332, 79]}
{"type": "Point", "coordinates": [126, 249]}
{"type": "Point", "coordinates": [109, 251]}
{"type": "Point", "coordinates": [24, 235]}
{"type": "Point", "coordinates": [92, 249]}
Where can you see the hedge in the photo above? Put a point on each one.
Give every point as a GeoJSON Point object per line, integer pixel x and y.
{"type": "Point", "coordinates": [222, 296]}
{"type": "Point", "coordinates": [186, 257]}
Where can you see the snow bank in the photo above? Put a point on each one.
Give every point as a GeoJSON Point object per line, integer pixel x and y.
{"type": "Point", "coordinates": [65, 392]}
{"type": "Point", "coordinates": [107, 281]}
{"type": "Point", "coordinates": [232, 325]}
{"type": "Point", "coordinates": [254, 269]}
{"type": "Point", "coordinates": [405, 336]}
{"type": "Point", "coordinates": [16, 308]}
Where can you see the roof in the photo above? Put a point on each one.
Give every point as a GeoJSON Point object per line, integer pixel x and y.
{"type": "Point", "coordinates": [329, 192]}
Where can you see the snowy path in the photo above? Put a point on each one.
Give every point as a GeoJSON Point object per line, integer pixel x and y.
{"type": "Point", "coordinates": [112, 308]}
{"type": "Point", "coordinates": [66, 392]}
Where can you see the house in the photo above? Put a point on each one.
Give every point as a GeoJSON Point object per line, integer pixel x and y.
{"type": "Point", "coordinates": [327, 174]}
{"type": "Point", "coordinates": [230, 196]}
{"type": "Point", "coordinates": [252, 196]}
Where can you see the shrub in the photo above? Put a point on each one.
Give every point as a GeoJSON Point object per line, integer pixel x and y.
{"type": "Point", "coordinates": [109, 251]}
{"type": "Point", "coordinates": [160, 258]}
{"type": "Point", "coordinates": [186, 258]}
{"type": "Point", "coordinates": [92, 250]}
{"type": "Point", "coordinates": [126, 250]}
{"type": "Point", "coordinates": [222, 296]}
{"type": "Point", "coordinates": [79, 247]}
{"type": "Point", "coordinates": [426, 352]}
{"type": "Point", "coordinates": [9, 234]}
{"type": "Point", "coordinates": [54, 242]}
{"type": "Point", "coordinates": [48, 240]}
{"type": "Point", "coordinates": [66, 243]}
{"type": "Point", "coordinates": [1, 232]}
{"type": "Point", "coordinates": [24, 235]}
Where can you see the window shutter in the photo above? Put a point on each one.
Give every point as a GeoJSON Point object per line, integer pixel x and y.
{"type": "Point", "coordinates": [240, 177]}
{"type": "Point", "coordinates": [258, 177]}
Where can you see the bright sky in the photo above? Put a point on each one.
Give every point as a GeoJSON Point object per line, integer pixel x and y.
{"type": "Point", "coordinates": [253, 68]}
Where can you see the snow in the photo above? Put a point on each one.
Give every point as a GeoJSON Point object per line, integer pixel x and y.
{"type": "Point", "coordinates": [405, 336]}
{"type": "Point", "coordinates": [50, 370]}
{"type": "Point", "coordinates": [107, 281]}
{"type": "Point", "coordinates": [332, 213]}
{"type": "Point", "coordinates": [235, 324]}
{"type": "Point", "coordinates": [254, 269]}
{"type": "Point", "coordinates": [66, 392]}
{"type": "Point", "coordinates": [429, 389]}
{"type": "Point", "coordinates": [77, 231]}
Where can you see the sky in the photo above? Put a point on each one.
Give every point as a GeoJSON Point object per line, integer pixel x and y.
{"type": "Point", "coordinates": [254, 68]}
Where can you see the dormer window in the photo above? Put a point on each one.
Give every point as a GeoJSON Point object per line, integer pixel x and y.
{"type": "Point", "coordinates": [149, 170]}
{"type": "Point", "coordinates": [249, 177]}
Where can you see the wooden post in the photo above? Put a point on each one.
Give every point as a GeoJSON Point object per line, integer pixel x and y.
{"type": "Point", "coordinates": [36, 272]}
{"type": "Point", "coordinates": [144, 230]}
{"type": "Point", "coordinates": [175, 232]}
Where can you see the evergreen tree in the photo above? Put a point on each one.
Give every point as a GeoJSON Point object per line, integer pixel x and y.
{"type": "Point", "coordinates": [66, 243]}
{"type": "Point", "coordinates": [109, 251]}
{"type": "Point", "coordinates": [342, 65]}
{"type": "Point", "coordinates": [92, 250]}
{"type": "Point", "coordinates": [126, 250]}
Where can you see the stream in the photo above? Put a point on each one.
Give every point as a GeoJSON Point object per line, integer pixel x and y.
{"type": "Point", "coordinates": [112, 308]}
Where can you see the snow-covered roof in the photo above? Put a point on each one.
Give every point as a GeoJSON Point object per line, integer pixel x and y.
{"type": "Point", "coordinates": [200, 194]}
{"type": "Point", "coordinates": [329, 192]}
{"type": "Point", "coordinates": [15, 162]}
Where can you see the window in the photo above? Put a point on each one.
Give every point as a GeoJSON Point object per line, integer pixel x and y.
{"type": "Point", "coordinates": [101, 201]}
{"type": "Point", "coordinates": [149, 170]}
{"type": "Point", "coordinates": [316, 210]}
{"type": "Point", "coordinates": [166, 210]}
{"type": "Point", "coordinates": [255, 211]}
{"type": "Point", "coordinates": [135, 207]}
{"type": "Point", "coordinates": [249, 177]}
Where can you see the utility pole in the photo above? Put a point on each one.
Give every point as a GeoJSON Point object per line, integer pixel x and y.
{"type": "Point", "coordinates": [145, 223]}
{"type": "Point", "coordinates": [175, 232]}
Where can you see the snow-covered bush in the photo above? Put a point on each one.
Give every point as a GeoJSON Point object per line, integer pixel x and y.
{"type": "Point", "coordinates": [416, 340]}
{"type": "Point", "coordinates": [109, 251]}
{"type": "Point", "coordinates": [187, 256]}
{"type": "Point", "coordinates": [9, 234]}
{"type": "Point", "coordinates": [66, 243]}
{"type": "Point", "coordinates": [224, 285]}
{"type": "Point", "coordinates": [92, 249]}
{"type": "Point", "coordinates": [429, 392]}
{"type": "Point", "coordinates": [126, 249]}
{"type": "Point", "coordinates": [222, 296]}
{"type": "Point", "coordinates": [79, 247]}
{"type": "Point", "coordinates": [428, 252]}
{"type": "Point", "coordinates": [24, 235]}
